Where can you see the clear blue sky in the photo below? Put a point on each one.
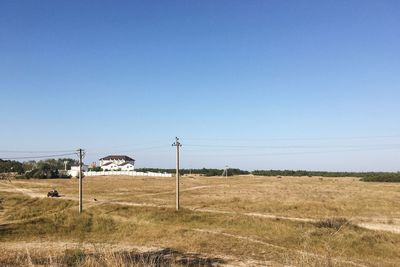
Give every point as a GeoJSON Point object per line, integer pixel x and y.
{"type": "Point", "coordinates": [250, 84]}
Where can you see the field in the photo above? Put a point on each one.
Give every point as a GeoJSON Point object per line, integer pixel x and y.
{"type": "Point", "coordinates": [235, 221]}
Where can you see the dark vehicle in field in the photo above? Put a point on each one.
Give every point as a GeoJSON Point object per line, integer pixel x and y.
{"type": "Point", "coordinates": [53, 193]}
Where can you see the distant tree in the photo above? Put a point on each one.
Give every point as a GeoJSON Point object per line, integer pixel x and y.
{"type": "Point", "coordinates": [29, 165]}
{"type": "Point", "coordinates": [54, 163]}
{"type": "Point", "coordinates": [11, 166]}
{"type": "Point", "coordinates": [44, 170]}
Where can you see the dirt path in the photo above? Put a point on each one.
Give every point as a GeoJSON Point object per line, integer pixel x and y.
{"type": "Point", "coordinates": [367, 223]}
{"type": "Point", "coordinates": [381, 227]}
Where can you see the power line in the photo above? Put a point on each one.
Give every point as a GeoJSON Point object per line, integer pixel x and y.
{"type": "Point", "coordinates": [239, 147]}
{"type": "Point", "coordinates": [158, 148]}
{"type": "Point", "coordinates": [34, 152]}
{"type": "Point", "coordinates": [298, 138]}
{"type": "Point", "coordinates": [312, 152]}
{"type": "Point", "coordinates": [40, 157]}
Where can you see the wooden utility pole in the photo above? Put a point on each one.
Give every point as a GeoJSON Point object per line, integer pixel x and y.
{"type": "Point", "coordinates": [80, 151]}
{"type": "Point", "coordinates": [225, 172]}
{"type": "Point", "coordinates": [178, 145]}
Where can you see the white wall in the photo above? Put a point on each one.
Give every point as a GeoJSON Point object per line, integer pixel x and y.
{"type": "Point", "coordinates": [74, 171]}
{"type": "Point", "coordinates": [129, 173]}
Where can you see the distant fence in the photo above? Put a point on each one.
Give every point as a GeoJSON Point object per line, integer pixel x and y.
{"type": "Point", "coordinates": [129, 173]}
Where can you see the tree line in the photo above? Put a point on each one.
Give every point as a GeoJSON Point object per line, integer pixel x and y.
{"type": "Point", "coordinates": [49, 168]}
{"type": "Point", "coordinates": [203, 171]}
{"type": "Point", "coordinates": [365, 176]}
{"type": "Point", "coordinates": [53, 168]}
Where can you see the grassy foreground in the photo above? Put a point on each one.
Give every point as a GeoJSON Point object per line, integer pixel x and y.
{"type": "Point", "coordinates": [185, 238]}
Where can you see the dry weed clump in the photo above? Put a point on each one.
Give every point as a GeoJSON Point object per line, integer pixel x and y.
{"type": "Point", "coordinates": [102, 256]}
{"type": "Point", "coordinates": [79, 257]}
{"type": "Point", "coordinates": [332, 223]}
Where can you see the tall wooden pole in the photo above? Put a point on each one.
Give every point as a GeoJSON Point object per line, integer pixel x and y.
{"type": "Point", "coordinates": [80, 180]}
{"type": "Point", "coordinates": [178, 145]}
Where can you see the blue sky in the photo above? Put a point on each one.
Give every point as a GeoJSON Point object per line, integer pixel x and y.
{"type": "Point", "coordinates": [250, 84]}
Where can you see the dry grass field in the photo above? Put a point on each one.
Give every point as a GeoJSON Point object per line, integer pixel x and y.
{"type": "Point", "coordinates": [235, 221]}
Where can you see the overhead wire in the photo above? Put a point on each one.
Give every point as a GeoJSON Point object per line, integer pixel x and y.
{"type": "Point", "coordinates": [207, 147]}
{"type": "Point", "coordinates": [308, 152]}
{"type": "Point", "coordinates": [34, 152]}
{"type": "Point", "coordinates": [286, 146]}
{"type": "Point", "coordinates": [39, 157]}
{"type": "Point", "coordinates": [297, 138]}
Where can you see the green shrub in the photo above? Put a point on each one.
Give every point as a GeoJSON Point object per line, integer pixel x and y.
{"type": "Point", "coordinates": [382, 177]}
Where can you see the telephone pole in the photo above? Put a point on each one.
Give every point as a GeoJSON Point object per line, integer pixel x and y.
{"type": "Point", "coordinates": [80, 151]}
{"type": "Point", "coordinates": [178, 145]}
{"type": "Point", "coordinates": [225, 172]}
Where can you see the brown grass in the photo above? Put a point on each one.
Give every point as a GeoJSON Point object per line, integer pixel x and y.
{"type": "Point", "coordinates": [290, 196]}
{"type": "Point", "coordinates": [330, 240]}
{"type": "Point", "coordinates": [101, 257]}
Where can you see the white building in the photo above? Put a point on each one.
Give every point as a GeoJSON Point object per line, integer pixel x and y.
{"type": "Point", "coordinates": [74, 171]}
{"type": "Point", "coordinates": [117, 162]}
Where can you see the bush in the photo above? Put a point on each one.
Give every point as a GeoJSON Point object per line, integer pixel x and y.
{"type": "Point", "coordinates": [334, 223]}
